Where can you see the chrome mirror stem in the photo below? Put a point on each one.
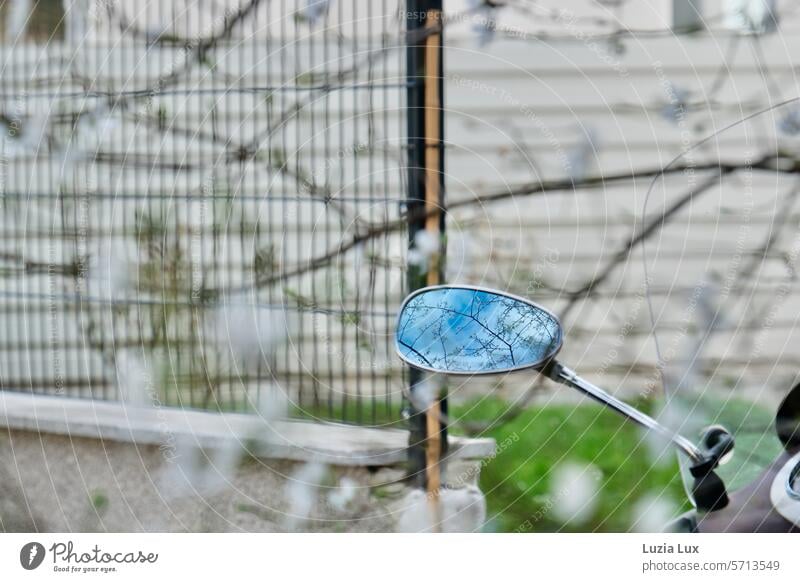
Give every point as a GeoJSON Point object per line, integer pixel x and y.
{"type": "Point", "coordinates": [564, 375]}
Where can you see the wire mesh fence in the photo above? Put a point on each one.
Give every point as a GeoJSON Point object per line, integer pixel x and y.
{"type": "Point", "coordinates": [185, 189]}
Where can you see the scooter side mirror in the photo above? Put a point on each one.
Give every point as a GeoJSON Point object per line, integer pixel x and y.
{"type": "Point", "coordinates": [454, 329]}
{"type": "Point", "coordinates": [469, 330]}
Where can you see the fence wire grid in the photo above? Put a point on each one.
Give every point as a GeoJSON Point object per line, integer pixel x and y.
{"type": "Point", "coordinates": [181, 183]}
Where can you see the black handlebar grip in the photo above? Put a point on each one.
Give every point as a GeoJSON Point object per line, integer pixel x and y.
{"type": "Point", "coordinates": [709, 492]}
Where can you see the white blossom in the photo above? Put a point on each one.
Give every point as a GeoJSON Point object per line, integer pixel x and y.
{"type": "Point", "coordinates": [272, 402]}
{"type": "Point", "coordinates": [77, 14]}
{"type": "Point", "coordinates": [460, 510]}
{"type": "Point", "coordinates": [417, 259]}
{"type": "Point", "coordinates": [425, 246]}
{"type": "Point", "coordinates": [315, 10]}
{"type": "Point", "coordinates": [341, 497]}
{"type": "Point", "coordinates": [132, 379]}
{"type": "Point", "coordinates": [195, 470]}
{"type": "Point", "coordinates": [573, 488]}
{"type": "Point", "coordinates": [425, 392]}
{"type": "Point", "coordinates": [677, 104]}
{"type": "Point", "coordinates": [751, 16]}
{"type": "Point", "coordinates": [91, 129]}
{"type": "Point", "coordinates": [484, 22]}
{"type": "Point", "coordinates": [652, 513]}
{"type": "Point", "coordinates": [302, 493]}
{"type": "Point", "coordinates": [111, 272]}
{"type": "Point", "coordinates": [17, 19]}
{"type": "Point", "coordinates": [789, 123]}
{"type": "Point", "coordinates": [583, 155]}
{"type": "Point", "coordinates": [426, 243]}
{"type": "Point", "coordinates": [33, 132]}
{"type": "Point", "coordinates": [250, 331]}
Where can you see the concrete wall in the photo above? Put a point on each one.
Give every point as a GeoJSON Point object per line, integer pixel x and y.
{"type": "Point", "coordinates": [68, 465]}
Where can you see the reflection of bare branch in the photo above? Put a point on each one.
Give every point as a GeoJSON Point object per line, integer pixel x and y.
{"type": "Point", "coordinates": [424, 359]}
{"type": "Point", "coordinates": [475, 330]}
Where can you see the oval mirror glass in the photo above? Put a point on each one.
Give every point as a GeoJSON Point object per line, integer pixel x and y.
{"type": "Point", "coordinates": [465, 330]}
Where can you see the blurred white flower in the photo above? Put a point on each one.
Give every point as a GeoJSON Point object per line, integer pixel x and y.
{"type": "Point", "coordinates": [132, 379]}
{"type": "Point", "coordinates": [32, 133]}
{"type": "Point", "coordinates": [77, 14]}
{"type": "Point", "coordinates": [484, 23]}
{"type": "Point", "coordinates": [112, 272]}
{"type": "Point", "coordinates": [417, 259]}
{"type": "Point", "coordinates": [315, 10]}
{"type": "Point", "coordinates": [197, 470]}
{"type": "Point", "coordinates": [462, 511]}
{"type": "Point", "coordinates": [751, 16]}
{"type": "Point", "coordinates": [90, 130]}
{"type": "Point", "coordinates": [677, 104]}
{"type": "Point", "coordinates": [789, 124]}
{"type": "Point", "coordinates": [583, 155]}
{"type": "Point", "coordinates": [251, 331]}
{"type": "Point", "coordinates": [302, 492]}
{"type": "Point", "coordinates": [105, 124]}
{"type": "Point", "coordinates": [426, 243]}
{"type": "Point", "coordinates": [272, 402]}
{"type": "Point", "coordinates": [652, 513]}
{"type": "Point", "coordinates": [17, 19]}
{"type": "Point", "coordinates": [340, 497]}
{"type": "Point", "coordinates": [574, 489]}
{"type": "Point", "coordinates": [424, 247]}
{"type": "Point", "coordinates": [83, 140]}
{"type": "Point", "coordinates": [425, 392]}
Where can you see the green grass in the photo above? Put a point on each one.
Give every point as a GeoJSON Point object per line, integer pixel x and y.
{"type": "Point", "coordinates": [517, 481]}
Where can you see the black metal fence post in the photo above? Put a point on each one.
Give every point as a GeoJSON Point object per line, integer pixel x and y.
{"type": "Point", "coordinates": [425, 100]}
